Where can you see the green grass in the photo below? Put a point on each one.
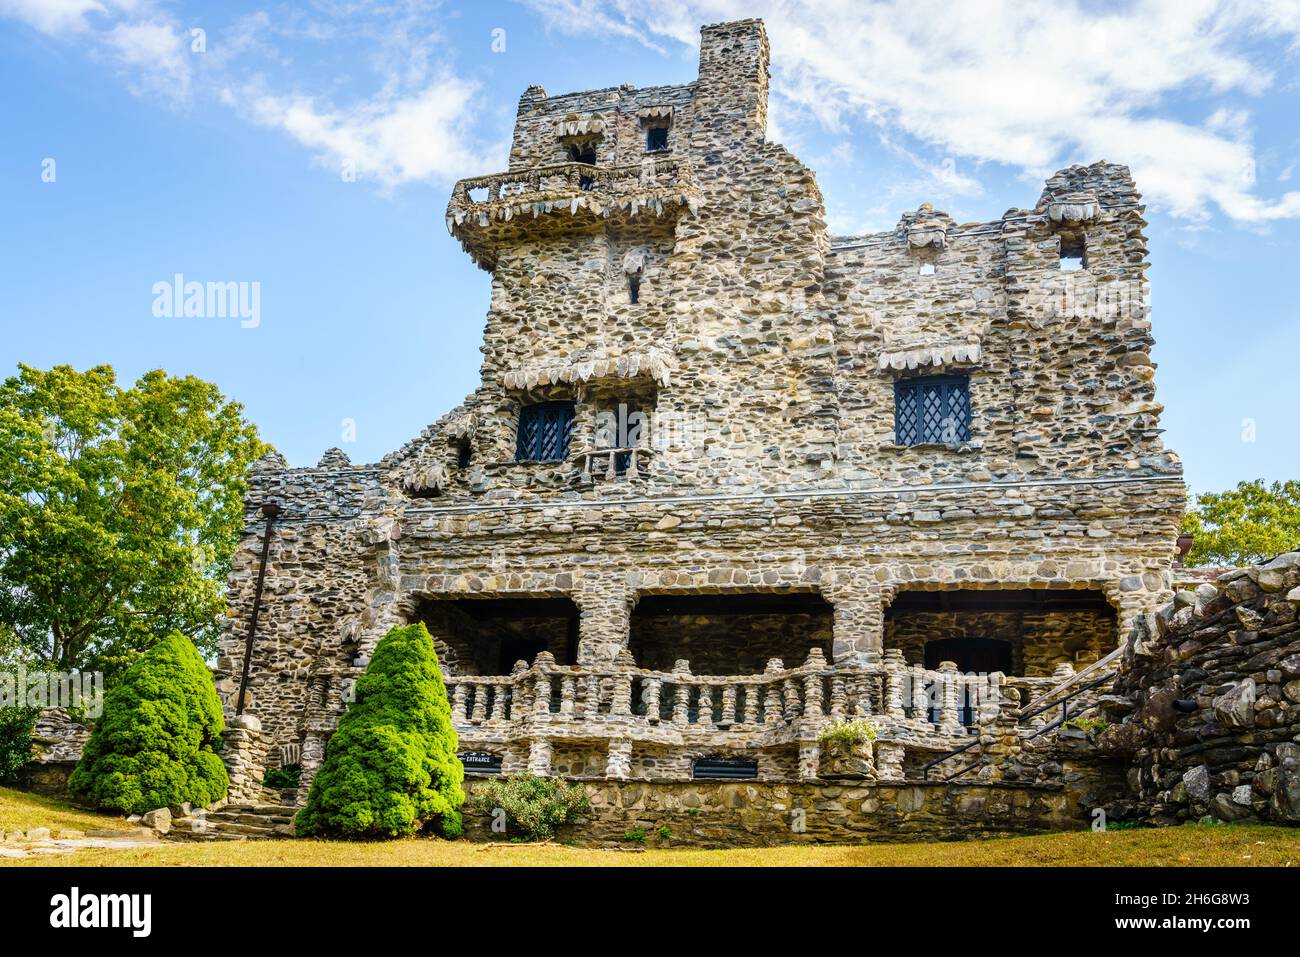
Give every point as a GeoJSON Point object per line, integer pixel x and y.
{"type": "Point", "coordinates": [1204, 845]}
{"type": "Point", "coordinates": [21, 810]}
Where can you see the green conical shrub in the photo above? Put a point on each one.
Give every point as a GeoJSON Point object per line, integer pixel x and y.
{"type": "Point", "coordinates": [155, 744]}
{"type": "Point", "coordinates": [392, 764]}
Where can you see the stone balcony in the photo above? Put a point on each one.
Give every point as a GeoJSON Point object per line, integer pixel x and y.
{"type": "Point", "coordinates": [608, 711]}
{"type": "Point", "coordinates": [486, 211]}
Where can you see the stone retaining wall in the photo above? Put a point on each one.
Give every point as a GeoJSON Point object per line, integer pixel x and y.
{"type": "Point", "coordinates": [1209, 706]}
{"type": "Point", "coordinates": [749, 813]}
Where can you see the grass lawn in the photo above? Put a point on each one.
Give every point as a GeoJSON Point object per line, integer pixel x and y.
{"type": "Point", "coordinates": [20, 810]}
{"type": "Point", "coordinates": [1207, 845]}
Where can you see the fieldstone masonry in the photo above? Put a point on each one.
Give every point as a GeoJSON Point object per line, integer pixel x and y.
{"type": "Point", "coordinates": [1207, 708]}
{"type": "Point", "coordinates": [692, 280]}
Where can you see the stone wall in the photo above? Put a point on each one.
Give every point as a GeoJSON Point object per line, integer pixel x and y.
{"type": "Point", "coordinates": [741, 814]}
{"type": "Point", "coordinates": [57, 744]}
{"type": "Point", "coordinates": [1209, 701]}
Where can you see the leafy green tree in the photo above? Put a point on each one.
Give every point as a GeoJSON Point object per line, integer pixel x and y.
{"type": "Point", "coordinates": [1248, 524]}
{"type": "Point", "coordinates": [155, 744]}
{"type": "Point", "coordinates": [392, 764]}
{"type": "Point", "coordinates": [16, 719]}
{"type": "Point", "coordinates": [120, 509]}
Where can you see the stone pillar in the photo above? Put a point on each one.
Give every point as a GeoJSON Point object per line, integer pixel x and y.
{"type": "Point", "coordinates": [858, 629]}
{"type": "Point", "coordinates": [313, 756]}
{"type": "Point", "coordinates": [889, 761]}
{"type": "Point", "coordinates": [245, 758]}
{"type": "Point", "coordinates": [539, 757]}
{"type": "Point", "coordinates": [605, 619]}
{"type": "Point", "coordinates": [809, 760]}
{"type": "Point", "coordinates": [618, 766]}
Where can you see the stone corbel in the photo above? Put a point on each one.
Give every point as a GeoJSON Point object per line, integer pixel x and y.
{"type": "Point", "coordinates": [426, 477]}
{"type": "Point", "coordinates": [934, 354]}
{"type": "Point", "coordinates": [1081, 206]}
{"type": "Point", "coordinates": [653, 364]}
{"type": "Point", "coordinates": [576, 125]}
{"type": "Point", "coordinates": [927, 230]}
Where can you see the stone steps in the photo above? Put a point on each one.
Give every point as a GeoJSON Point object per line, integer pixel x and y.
{"type": "Point", "coordinates": [235, 822]}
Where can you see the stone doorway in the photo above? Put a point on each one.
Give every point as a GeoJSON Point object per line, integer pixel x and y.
{"type": "Point", "coordinates": [1020, 631]}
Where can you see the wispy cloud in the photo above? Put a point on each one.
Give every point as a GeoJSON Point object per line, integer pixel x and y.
{"type": "Point", "coordinates": [1034, 87]}
{"type": "Point", "coordinates": [407, 117]}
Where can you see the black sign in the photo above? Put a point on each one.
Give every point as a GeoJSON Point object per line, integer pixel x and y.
{"type": "Point", "coordinates": [480, 762]}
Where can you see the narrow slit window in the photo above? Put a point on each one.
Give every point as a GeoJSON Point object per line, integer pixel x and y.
{"type": "Point", "coordinates": [634, 289]}
{"type": "Point", "coordinates": [933, 410]}
{"type": "Point", "coordinates": [927, 269]}
{"type": "Point", "coordinates": [464, 454]}
{"type": "Point", "coordinates": [545, 429]}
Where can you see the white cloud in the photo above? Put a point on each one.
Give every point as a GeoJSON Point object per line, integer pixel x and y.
{"type": "Point", "coordinates": [411, 120]}
{"type": "Point", "coordinates": [51, 16]}
{"type": "Point", "coordinates": [1035, 87]}
{"type": "Point", "coordinates": [423, 136]}
{"type": "Point", "coordinates": [154, 55]}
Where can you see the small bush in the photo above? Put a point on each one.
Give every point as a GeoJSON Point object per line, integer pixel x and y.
{"type": "Point", "coordinates": [1087, 724]}
{"type": "Point", "coordinates": [279, 779]}
{"type": "Point", "coordinates": [664, 832]}
{"type": "Point", "coordinates": [534, 807]}
{"type": "Point", "coordinates": [155, 744]}
{"type": "Point", "coordinates": [848, 733]}
{"type": "Point", "coordinates": [635, 836]}
{"type": "Point", "coordinates": [391, 767]}
{"type": "Point", "coordinates": [15, 741]}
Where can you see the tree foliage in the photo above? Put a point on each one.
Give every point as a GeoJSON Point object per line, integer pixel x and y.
{"type": "Point", "coordinates": [120, 509]}
{"type": "Point", "coordinates": [155, 744]}
{"type": "Point", "coordinates": [1248, 524]}
{"type": "Point", "coordinates": [391, 766]}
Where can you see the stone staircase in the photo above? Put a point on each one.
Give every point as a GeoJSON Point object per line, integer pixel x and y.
{"type": "Point", "coordinates": [234, 822]}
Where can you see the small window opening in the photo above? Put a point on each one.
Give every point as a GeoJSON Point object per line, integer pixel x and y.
{"type": "Point", "coordinates": [584, 152]}
{"type": "Point", "coordinates": [479, 194]}
{"type": "Point", "coordinates": [464, 454]}
{"type": "Point", "coordinates": [656, 138]}
{"type": "Point", "coordinates": [1074, 253]}
{"type": "Point", "coordinates": [634, 289]}
{"type": "Point", "coordinates": [927, 269]}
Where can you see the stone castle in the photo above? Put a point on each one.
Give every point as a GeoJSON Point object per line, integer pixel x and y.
{"type": "Point", "coordinates": [728, 478]}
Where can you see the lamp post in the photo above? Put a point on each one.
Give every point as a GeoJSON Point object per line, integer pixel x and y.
{"type": "Point", "coordinates": [269, 511]}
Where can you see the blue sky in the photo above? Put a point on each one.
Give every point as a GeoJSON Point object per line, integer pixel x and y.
{"type": "Point", "coordinates": [310, 148]}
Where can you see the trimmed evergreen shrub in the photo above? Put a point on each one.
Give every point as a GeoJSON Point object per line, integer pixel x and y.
{"type": "Point", "coordinates": [16, 725]}
{"type": "Point", "coordinates": [534, 807]}
{"type": "Point", "coordinates": [391, 766]}
{"type": "Point", "coordinates": [155, 744]}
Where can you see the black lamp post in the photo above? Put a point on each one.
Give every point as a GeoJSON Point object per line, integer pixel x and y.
{"type": "Point", "coordinates": [269, 511]}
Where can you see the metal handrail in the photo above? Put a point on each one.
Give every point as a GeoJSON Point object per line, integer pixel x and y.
{"type": "Point", "coordinates": [1110, 675]}
{"type": "Point", "coordinates": [925, 771]}
{"type": "Point", "coordinates": [1065, 716]}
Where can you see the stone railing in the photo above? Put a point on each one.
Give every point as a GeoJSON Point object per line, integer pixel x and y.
{"type": "Point", "coordinates": [486, 209]}
{"type": "Point", "coordinates": [566, 180]}
{"type": "Point", "coordinates": [605, 463]}
{"type": "Point", "coordinates": [619, 699]}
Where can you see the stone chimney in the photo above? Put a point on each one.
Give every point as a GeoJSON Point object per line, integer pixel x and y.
{"type": "Point", "coordinates": [731, 96]}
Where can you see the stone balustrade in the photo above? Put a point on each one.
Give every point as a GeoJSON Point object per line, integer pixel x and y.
{"type": "Point", "coordinates": [617, 702]}
{"type": "Point", "coordinates": [485, 210]}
